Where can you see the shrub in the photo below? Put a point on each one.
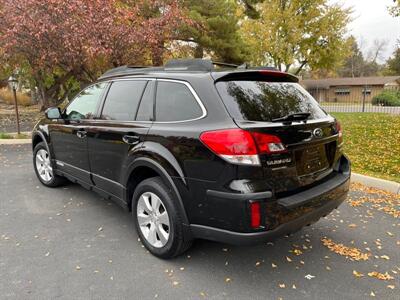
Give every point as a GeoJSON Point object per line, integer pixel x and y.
{"type": "Point", "coordinates": [7, 96]}
{"type": "Point", "coordinates": [387, 98]}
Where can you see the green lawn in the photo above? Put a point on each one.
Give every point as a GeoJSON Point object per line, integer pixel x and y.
{"type": "Point", "coordinates": [372, 141]}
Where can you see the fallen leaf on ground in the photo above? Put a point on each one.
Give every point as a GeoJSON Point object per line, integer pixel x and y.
{"type": "Point", "coordinates": [340, 249]}
{"type": "Point", "coordinates": [385, 257]}
{"type": "Point", "coordinates": [352, 225]}
{"type": "Point", "coordinates": [380, 276]}
{"type": "Point", "coordinates": [390, 286]}
{"type": "Point", "coordinates": [297, 252]}
{"type": "Point", "coordinates": [282, 285]}
{"type": "Point", "coordinates": [288, 259]}
{"type": "Point", "coordinates": [227, 280]}
{"type": "Point", "coordinates": [357, 274]}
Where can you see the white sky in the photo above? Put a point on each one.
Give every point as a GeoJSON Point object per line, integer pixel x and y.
{"type": "Point", "coordinates": [373, 21]}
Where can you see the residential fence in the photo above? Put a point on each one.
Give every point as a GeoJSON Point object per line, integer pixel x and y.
{"type": "Point", "coordinates": [358, 99]}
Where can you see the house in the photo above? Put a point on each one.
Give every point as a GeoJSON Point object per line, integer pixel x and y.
{"type": "Point", "coordinates": [349, 89]}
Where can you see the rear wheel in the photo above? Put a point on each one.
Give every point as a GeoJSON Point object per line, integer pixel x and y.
{"type": "Point", "coordinates": [43, 167]}
{"type": "Point", "coordinates": [158, 219]}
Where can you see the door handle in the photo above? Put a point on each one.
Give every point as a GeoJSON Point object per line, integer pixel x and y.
{"type": "Point", "coordinates": [81, 133]}
{"type": "Point", "coordinates": [131, 139]}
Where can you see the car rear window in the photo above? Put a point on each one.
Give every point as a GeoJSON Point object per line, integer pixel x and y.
{"type": "Point", "coordinates": [265, 101]}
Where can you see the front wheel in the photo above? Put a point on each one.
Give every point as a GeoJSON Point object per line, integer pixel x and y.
{"type": "Point", "coordinates": [158, 219]}
{"type": "Point", "coordinates": [43, 167]}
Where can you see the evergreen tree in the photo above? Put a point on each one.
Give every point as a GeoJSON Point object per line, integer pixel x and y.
{"type": "Point", "coordinates": [215, 30]}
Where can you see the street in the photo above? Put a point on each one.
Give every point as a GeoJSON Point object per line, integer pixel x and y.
{"type": "Point", "coordinates": [69, 243]}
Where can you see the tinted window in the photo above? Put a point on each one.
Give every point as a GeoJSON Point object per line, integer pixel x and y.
{"type": "Point", "coordinates": [265, 101]}
{"type": "Point", "coordinates": [175, 102]}
{"type": "Point", "coordinates": [145, 111]}
{"type": "Point", "coordinates": [84, 106]}
{"type": "Point", "coordinates": [122, 100]}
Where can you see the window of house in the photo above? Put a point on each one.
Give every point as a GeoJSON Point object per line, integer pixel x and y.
{"type": "Point", "coordinates": [367, 92]}
{"type": "Point", "coordinates": [123, 100]}
{"type": "Point", "coordinates": [342, 91]}
{"type": "Point", "coordinates": [175, 102]}
{"type": "Point", "coordinates": [85, 105]}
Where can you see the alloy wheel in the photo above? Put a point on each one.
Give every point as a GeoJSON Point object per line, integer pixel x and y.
{"type": "Point", "coordinates": [43, 165]}
{"type": "Point", "coordinates": [153, 219]}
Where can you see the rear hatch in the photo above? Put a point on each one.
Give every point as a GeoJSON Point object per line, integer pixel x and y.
{"type": "Point", "coordinates": [275, 105]}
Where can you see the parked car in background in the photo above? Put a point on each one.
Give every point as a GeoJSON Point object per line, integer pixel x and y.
{"type": "Point", "coordinates": [233, 155]}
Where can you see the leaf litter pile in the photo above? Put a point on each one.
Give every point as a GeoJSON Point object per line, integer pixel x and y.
{"type": "Point", "coordinates": [376, 200]}
{"type": "Point", "coordinates": [352, 253]}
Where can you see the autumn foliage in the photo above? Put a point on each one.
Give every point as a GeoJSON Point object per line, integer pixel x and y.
{"type": "Point", "coordinates": [79, 37]}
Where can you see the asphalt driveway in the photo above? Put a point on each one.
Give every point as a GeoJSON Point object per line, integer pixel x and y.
{"type": "Point", "coordinates": [68, 243]}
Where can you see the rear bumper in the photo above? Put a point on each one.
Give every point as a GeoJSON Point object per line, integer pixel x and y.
{"type": "Point", "coordinates": [302, 209]}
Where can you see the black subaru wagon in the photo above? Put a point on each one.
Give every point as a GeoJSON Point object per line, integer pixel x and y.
{"type": "Point", "coordinates": [235, 155]}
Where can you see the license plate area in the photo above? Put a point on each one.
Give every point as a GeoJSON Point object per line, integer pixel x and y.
{"type": "Point", "coordinates": [311, 160]}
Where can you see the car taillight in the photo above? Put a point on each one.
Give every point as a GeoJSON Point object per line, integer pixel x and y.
{"type": "Point", "coordinates": [268, 144]}
{"type": "Point", "coordinates": [339, 131]}
{"type": "Point", "coordinates": [239, 146]}
{"type": "Point", "coordinates": [255, 214]}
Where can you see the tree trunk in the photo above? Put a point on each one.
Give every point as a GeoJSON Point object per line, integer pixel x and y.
{"type": "Point", "coordinates": [43, 99]}
{"type": "Point", "coordinates": [199, 52]}
{"type": "Point", "coordinates": [158, 54]}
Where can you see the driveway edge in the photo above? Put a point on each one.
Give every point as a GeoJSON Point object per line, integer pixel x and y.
{"type": "Point", "coordinates": [15, 141]}
{"type": "Point", "coordinates": [386, 185]}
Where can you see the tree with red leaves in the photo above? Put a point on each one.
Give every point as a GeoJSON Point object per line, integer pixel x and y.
{"type": "Point", "coordinates": [78, 39]}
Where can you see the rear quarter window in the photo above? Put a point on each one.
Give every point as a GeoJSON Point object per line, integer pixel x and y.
{"type": "Point", "coordinates": [265, 101]}
{"type": "Point", "coordinates": [176, 102]}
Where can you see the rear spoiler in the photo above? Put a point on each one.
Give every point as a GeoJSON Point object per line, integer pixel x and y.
{"type": "Point", "coordinates": [255, 74]}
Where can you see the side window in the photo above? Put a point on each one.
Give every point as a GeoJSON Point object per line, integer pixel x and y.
{"type": "Point", "coordinates": [175, 102]}
{"type": "Point", "coordinates": [122, 100]}
{"type": "Point", "coordinates": [84, 106]}
{"type": "Point", "coordinates": [145, 111]}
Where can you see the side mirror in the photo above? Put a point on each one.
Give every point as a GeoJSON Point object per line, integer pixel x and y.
{"type": "Point", "coordinates": [53, 113]}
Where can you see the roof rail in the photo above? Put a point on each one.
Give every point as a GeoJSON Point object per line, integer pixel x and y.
{"type": "Point", "coordinates": [195, 65]}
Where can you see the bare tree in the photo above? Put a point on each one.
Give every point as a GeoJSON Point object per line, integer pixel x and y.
{"type": "Point", "coordinates": [376, 52]}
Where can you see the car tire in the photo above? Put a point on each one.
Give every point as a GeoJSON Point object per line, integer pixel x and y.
{"type": "Point", "coordinates": [44, 168]}
{"type": "Point", "coordinates": [158, 219]}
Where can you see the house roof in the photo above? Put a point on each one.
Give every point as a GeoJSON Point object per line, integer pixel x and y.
{"type": "Point", "coordinates": [348, 81]}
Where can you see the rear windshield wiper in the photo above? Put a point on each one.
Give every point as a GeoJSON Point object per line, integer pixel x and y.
{"type": "Point", "coordinates": [293, 117]}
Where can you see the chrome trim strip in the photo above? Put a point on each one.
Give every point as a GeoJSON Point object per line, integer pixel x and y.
{"type": "Point", "coordinates": [63, 164]}
{"type": "Point", "coordinates": [187, 84]}
{"type": "Point", "coordinates": [109, 180]}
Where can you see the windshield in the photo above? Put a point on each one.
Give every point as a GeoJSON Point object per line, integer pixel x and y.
{"type": "Point", "coordinates": [266, 101]}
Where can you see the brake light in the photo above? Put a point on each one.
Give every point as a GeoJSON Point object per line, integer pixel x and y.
{"type": "Point", "coordinates": [339, 131]}
{"type": "Point", "coordinates": [268, 143]}
{"type": "Point", "coordinates": [239, 146]}
{"type": "Point", "coordinates": [255, 214]}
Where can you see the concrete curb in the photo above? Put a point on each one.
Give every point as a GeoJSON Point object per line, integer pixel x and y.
{"type": "Point", "coordinates": [15, 141]}
{"type": "Point", "coordinates": [386, 185]}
